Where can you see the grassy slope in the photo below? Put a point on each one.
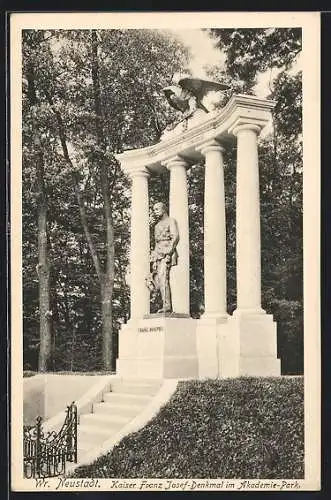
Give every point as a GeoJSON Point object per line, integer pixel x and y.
{"type": "Point", "coordinates": [235, 428]}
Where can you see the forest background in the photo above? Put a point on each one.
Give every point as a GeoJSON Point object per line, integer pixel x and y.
{"type": "Point", "coordinates": [90, 94]}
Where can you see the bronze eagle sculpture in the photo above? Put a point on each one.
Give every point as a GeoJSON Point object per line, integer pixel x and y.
{"type": "Point", "coordinates": [186, 94]}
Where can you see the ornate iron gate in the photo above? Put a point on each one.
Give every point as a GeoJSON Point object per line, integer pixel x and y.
{"type": "Point", "coordinates": [45, 455]}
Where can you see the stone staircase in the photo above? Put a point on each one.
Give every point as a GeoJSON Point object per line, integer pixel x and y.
{"type": "Point", "coordinates": [126, 399]}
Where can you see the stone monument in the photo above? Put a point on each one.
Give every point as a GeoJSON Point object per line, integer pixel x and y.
{"type": "Point", "coordinates": [170, 344]}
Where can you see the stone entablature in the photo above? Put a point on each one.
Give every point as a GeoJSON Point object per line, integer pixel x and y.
{"type": "Point", "coordinates": [219, 125]}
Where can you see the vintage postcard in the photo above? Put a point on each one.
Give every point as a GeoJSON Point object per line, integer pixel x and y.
{"type": "Point", "coordinates": [165, 251]}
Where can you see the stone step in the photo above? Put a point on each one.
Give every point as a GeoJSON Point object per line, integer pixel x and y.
{"type": "Point", "coordinates": [95, 428]}
{"type": "Point", "coordinates": [86, 446]}
{"type": "Point", "coordinates": [135, 388]}
{"type": "Point", "coordinates": [103, 421]}
{"type": "Point", "coordinates": [89, 442]}
{"type": "Point", "coordinates": [139, 381]}
{"type": "Point", "coordinates": [126, 398]}
{"type": "Point", "coordinates": [124, 410]}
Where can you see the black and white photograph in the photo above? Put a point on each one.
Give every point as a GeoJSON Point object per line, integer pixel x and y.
{"type": "Point", "coordinates": [165, 329]}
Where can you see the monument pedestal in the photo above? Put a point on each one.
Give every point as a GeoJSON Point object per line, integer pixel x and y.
{"type": "Point", "coordinates": [158, 347]}
{"type": "Point", "coordinates": [239, 345]}
{"type": "Point", "coordinates": [176, 346]}
{"type": "Point", "coordinates": [247, 346]}
{"type": "Point", "coordinates": [208, 345]}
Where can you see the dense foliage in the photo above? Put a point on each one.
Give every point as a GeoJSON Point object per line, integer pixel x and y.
{"type": "Point", "coordinates": [240, 428]}
{"type": "Point", "coordinates": [89, 94]}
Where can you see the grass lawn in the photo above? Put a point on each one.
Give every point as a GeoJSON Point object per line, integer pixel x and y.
{"type": "Point", "coordinates": [234, 428]}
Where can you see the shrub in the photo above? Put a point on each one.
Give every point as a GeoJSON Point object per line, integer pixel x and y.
{"type": "Point", "coordinates": [28, 373]}
{"type": "Point", "coordinates": [234, 428]}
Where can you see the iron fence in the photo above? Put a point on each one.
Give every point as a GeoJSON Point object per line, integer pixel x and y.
{"type": "Point", "coordinates": [46, 454]}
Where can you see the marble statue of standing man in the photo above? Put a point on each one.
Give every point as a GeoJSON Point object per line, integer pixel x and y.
{"type": "Point", "coordinates": [164, 255]}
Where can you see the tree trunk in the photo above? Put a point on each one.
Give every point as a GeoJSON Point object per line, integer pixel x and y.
{"type": "Point", "coordinates": [107, 282]}
{"type": "Point", "coordinates": [44, 295]}
{"type": "Point", "coordinates": [43, 263]}
{"type": "Point", "coordinates": [107, 287]}
{"type": "Point", "coordinates": [53, 299]}
{"type": "Point", "coordinates": [107, 324]}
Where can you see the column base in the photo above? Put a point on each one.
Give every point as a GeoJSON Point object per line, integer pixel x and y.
{"type": "Point", "coordinates": [214, 317]}
{"type": "Point", "coordinates": [158, 347]}
{"type": "Point", "coordinates": [208, 345]}
{"type": "Point", "coordinates": [239, 345]}
{"type": "Point", "coordinates": [245, 312]}
{"type": "Point", "coordinates": [249, 346]}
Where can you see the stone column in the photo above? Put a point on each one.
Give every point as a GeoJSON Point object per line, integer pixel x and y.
{"type": "Point", "coordinates": [214, 232]}
{"type": "Point", "coordinates": [248, 220]}
{"type": "Point", "coordinates": [139, 254]}
{"type": "Point", "coordinates": [178, 209]}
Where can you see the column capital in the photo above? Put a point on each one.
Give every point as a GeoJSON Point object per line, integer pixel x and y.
{"type": "Point", "coordinates": [245, 126]}
{"type": "Point", "coordinates": [211, 145]}
{"type": "Point", "coordinates": [137, 172]}
{"type": "Point", "coordinates": [175, 161]}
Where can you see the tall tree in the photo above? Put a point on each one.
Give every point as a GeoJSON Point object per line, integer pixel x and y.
{"type": "Point", "coordinates": [40, 196]}
{"type": "Point", "coordinates": [101, 93]}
